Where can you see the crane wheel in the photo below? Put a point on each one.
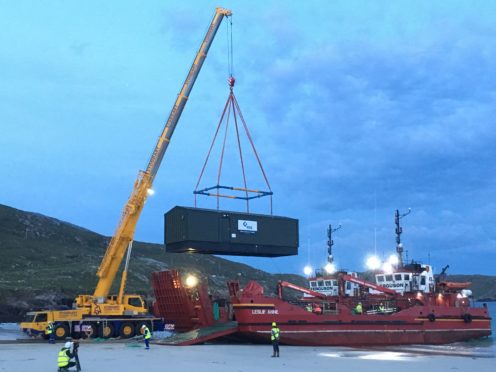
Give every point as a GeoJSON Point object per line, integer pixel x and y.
{"type": "Point", "coordinates": [127, 330]}
{"type": "Point", "coordinates": [61, 331]}
{"type": "Point", "coordinates": [107, 330]}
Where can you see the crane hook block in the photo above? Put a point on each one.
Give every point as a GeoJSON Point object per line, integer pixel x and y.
{"type": "Point", "coordinates": [231, 81]}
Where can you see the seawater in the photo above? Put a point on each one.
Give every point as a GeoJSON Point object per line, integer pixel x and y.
{"type": "Point", "coordinates": [490, 342]}
{"type": "Point", "coordinates": [485, 347]}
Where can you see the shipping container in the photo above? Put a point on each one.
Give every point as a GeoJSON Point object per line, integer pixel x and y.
{"type": "Point", "coordinates": [210, 231]}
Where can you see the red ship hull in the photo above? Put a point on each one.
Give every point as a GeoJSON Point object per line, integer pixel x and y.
{"type": "Point", "coordinates": [414, 325]}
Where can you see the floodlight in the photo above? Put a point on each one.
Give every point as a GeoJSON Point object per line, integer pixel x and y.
{"type": "Point", "coordinates": [307, 270]}
{"type": "Point", "coordinates": [191, 281]}
{"type": "Point", "coordinates": [373, 263]}
{"type": "Point", "coordinates": [330, 268]}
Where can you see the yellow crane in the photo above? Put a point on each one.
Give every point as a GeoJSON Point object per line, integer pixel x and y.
{"type": "Point", "coordinates": [109, 315]}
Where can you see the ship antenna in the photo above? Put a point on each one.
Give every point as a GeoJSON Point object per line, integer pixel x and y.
{"type": "Point", "coordinates": [399, 230]}
{"type": "Point", "coordinates": [330, 242]}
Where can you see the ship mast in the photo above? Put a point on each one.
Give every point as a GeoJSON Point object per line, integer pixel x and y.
{"type": "Point", "coordinates": [330, 243]}
{"type": "Point", "coordinates": [399, 231]}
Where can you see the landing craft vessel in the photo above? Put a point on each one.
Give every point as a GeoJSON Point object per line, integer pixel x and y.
{"type": "Point", "coordinates": [407, 304]}
{"type": "Point", "coordinates": [387, 319]}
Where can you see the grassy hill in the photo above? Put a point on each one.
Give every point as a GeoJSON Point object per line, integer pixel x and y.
{"type": "Point", "coordinates": [47, 262]}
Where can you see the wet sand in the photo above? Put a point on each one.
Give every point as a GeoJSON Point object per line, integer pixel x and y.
{"type": "Point", "coordinates": [237, 358]}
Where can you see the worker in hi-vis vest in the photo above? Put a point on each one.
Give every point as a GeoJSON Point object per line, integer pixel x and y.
{"type": "Point", "coordinates": [49, 331]}
{"type": "Point", "coordinates": [65, 356]}
{"type": "Point", "coordinates": [147, 335]}
{"type": "Point", "coordinates": [358, 308]}
{"type": "Point", "coordinates": [381, 308]}
{"type": "Point", "coordinates": [274, 337]}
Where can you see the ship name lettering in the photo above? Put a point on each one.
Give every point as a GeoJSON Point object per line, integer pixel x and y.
{"type": "Point", "coordinates": [273, 311]}
{"type": "Point", "coordinates": [258, 311]}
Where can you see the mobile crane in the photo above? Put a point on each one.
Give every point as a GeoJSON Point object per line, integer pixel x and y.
{"type": "Point", "coordinates": [101, 314]}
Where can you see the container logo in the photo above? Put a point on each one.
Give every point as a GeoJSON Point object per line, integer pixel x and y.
{"type": "Point", "coordinates": [247, 226]}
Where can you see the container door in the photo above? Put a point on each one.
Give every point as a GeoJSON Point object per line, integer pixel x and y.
{"type": "Point", "coordinates": [225, 228]}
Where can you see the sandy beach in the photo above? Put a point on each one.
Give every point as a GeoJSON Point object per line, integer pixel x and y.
{"type": "Point", "coordinates": [238, 358]}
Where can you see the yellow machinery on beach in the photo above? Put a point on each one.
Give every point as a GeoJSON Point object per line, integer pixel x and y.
{"type": "Point", "coordinates": [123, 314]}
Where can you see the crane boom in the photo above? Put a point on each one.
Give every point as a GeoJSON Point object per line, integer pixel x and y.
{"type": "Point", "coordinates": [124, 233]}
{"type": "Point", "coordinates": [284, 284]}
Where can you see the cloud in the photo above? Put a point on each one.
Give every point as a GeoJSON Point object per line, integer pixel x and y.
{"type": "Point", "coordinates": [409, 125]}
{"type": "Point", "coordinates": [354, 111]}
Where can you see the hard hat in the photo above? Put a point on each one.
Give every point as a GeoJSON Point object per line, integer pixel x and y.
{"type": "Point", "coordinates": [143, 326]}
{"type": "Point", "coordinates": [68, 345]}
{"type": "Point", "coordinates": [274, 324]}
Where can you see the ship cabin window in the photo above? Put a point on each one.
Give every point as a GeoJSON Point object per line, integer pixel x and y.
{"type": "Point", "coordinates": [320, 283]}
{"type": "Point", "coordinates": [380, 278]}
{"type": "Point", "coordinates": [422, 280]}
{"type": "Point", "coordinates": [397, 277]}
{"type": "Point", "coordinates": [328, 283]}
{"type": "Point", "coordinates": [335, 283]}
{"type": "Point", "coordinates": [348, 285]}
{"type": "Point", "coordinates": [406, 276]}
{"type": "Point", "coordinates": [313, 284]}
{"type": "Point", "coordinates": [389, 278]}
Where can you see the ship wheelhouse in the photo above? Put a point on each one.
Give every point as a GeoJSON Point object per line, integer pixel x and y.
{"type": "Point", "coordinates": [328, 284]}
{"type": "Point", "coordinates": [410, 278]}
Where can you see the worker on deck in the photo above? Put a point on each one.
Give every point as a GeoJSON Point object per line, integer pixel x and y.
{"type": "Point", "coordinates": [274, 337]}
{"type": "Point", "coordinates": [147, 335]}
{"type": "Point", "coordinates": [317, 309]}
{"type": "Point", "coordinates": [381, 308]}
{"type": "Point", "coordinates": [308, 307]}
{"type": "Point", "coordinates": [65, 356]}
{"type": "Point", "coordinates": [49, 331]}
{"type": "Point", "coordinates": [358, 308]}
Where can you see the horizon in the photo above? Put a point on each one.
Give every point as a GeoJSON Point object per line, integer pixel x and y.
{"type": "Point", "coordinates": [356, 110]}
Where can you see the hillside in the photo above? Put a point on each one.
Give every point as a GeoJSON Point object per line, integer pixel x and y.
{"type": "Point", "coordinates": [47, 262]}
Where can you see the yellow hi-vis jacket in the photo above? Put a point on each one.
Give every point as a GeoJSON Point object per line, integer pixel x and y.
{"type": "Point", "coordinates": [148, 334]}
{"type": "Point", "coordinates": [49, 329]}
{"type": "Point", "coordinates": [274, 335]}
{"type": "Point", "coordinates": [63, 359]}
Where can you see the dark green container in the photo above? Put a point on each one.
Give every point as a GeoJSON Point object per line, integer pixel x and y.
{"type": "Point", "coordinates": [211, 231]}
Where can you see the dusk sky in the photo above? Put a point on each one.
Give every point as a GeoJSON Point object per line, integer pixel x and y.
{"type": "Point", "coordinates": [357, 108]}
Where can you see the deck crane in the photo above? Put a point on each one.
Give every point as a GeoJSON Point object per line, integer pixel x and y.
{"type": "Point", "coordinates": [101, 308]}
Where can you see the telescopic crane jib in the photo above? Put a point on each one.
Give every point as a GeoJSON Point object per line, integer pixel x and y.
{"type": "Point", "coordinates": [99, 313]}
{"type": "Point", "coordinates": [124, 234]}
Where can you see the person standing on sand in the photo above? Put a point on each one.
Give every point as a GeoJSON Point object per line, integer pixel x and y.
{"type": "Point", "coordinates": [49, 331]}
{"type": "Point", "coordinates": [274, 337]}
{"type": "Point", "coordinates": [147, 335]}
